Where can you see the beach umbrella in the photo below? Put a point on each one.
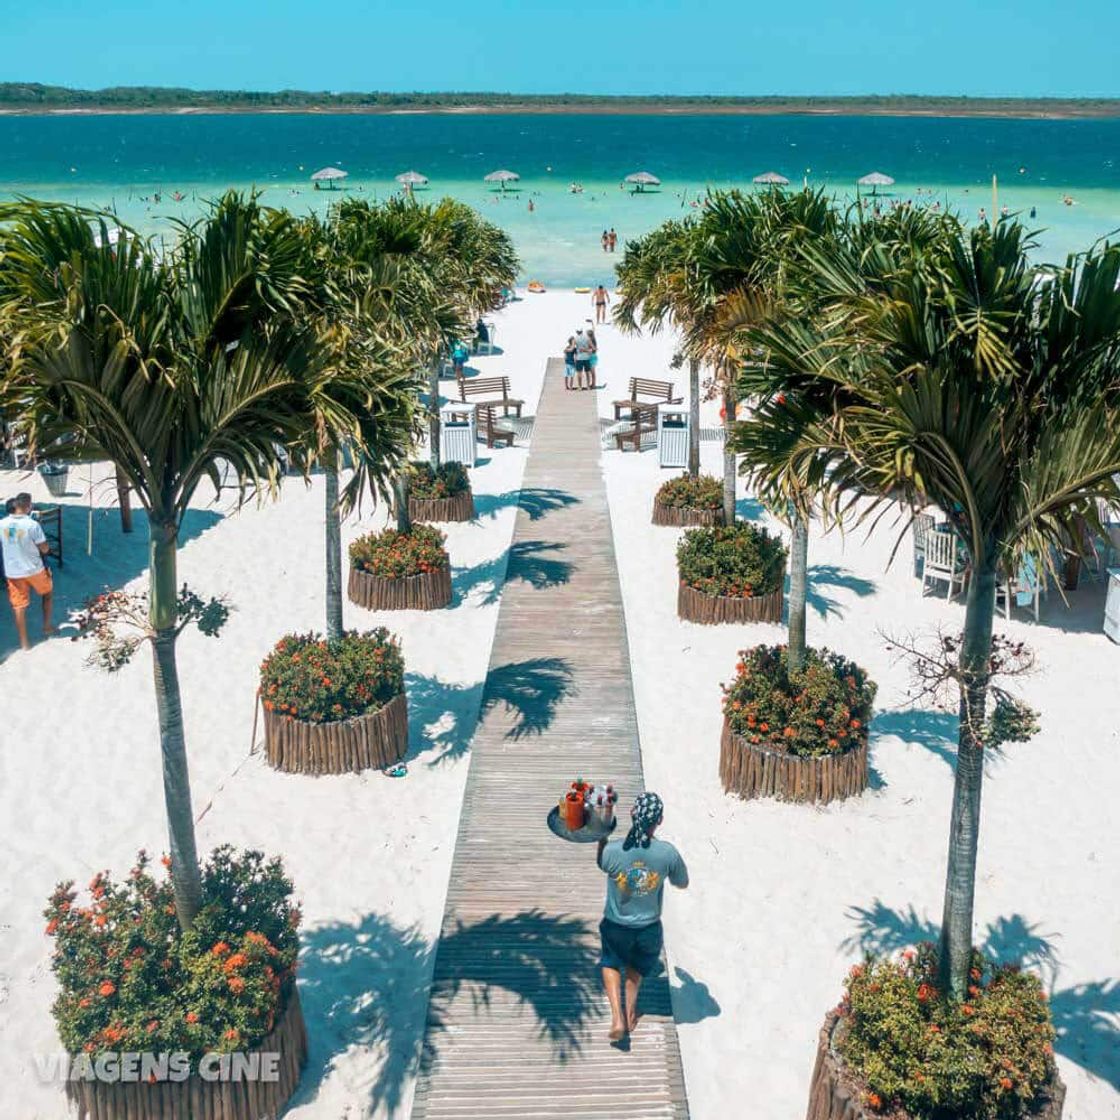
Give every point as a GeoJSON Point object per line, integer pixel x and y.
{"type": "Point", "coordinates": [771, 178]}
{"type": "Point", "coordinates": [502, 177]}
{"type": "Point", "coordinates": [329, 175]}
{"type": "Point", "coordinates": [876, 180]}
{"type": "Point", "coordinates": [642, 179]}
{"type": "Point", "coordinates": [412, 179]}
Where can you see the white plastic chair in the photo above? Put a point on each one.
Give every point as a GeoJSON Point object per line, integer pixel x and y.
{"type": "Point", "coordinates": [920, 528]}
{"type": "Point", "coordinates": [942, 561]}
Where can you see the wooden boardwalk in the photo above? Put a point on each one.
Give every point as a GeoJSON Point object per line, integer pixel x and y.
{"type": "Point", "coordinates": [517, 1024]}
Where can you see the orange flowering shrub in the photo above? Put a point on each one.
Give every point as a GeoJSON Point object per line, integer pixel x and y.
{"type": "Point", "coordinates": [320, 681]}
{"type": "Point", "coordinates": [702, 492]}
{"type": "Point", "coordinates": [130, 979]}
{"type": "Point", "coordinates": [739, 561]}
{"type": "Point", "coordinates": [394, 555]}
{"type": "Point", "coordinates": [986, 1058]}
{"type": "Point", "coordinates": [444, 481]}
{"type": "Point", "coordinates": [822, 710]}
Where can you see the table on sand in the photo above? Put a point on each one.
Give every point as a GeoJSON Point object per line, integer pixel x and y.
{"type": "Point", "coordinates": [517, 1023]}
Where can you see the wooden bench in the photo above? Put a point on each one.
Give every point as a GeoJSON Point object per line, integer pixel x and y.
{"type": "Point", "coordinates": [489, 387]}
{"type": "Point", "coordinates": [486, 425]}
{"type": "Point", "coordinates": [644, 419]}
{"type": "Point", "coordinates": [661, 392]}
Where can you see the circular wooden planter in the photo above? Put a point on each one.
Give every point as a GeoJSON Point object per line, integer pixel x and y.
{"type": "Point", "coordinates": [834, 1094]}
{"type": "Point", "coordinates": [695, 606]}
{"type": "Point", "coordinates": [458, 508]}
{"type": "Point", "coordinates": [751, 770]}
{"type": "Point", "coordinates": [427, 591]}
{"type": "Point", "coordinates": [196, 1098]}
{"type": "Point", "coordinates": [684, 515]}
{"type": "Point", "coordinates": [347, 746]}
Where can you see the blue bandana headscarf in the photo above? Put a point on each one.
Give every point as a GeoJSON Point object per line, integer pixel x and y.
{"type": "Point", "coordinates": [644, 818]}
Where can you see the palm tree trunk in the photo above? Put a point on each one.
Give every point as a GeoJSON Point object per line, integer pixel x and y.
{"type": "Point", "coordinates": [124, 501]}
{"type": "Point", "coordinates": [186, 880]}
{"type": "Point", "coordinates": [433, 414]}
{"type": "Point", "coordinates": [964, 829]}
{"type": "Point", "coordinates": [728, 458]}
{"type": "Point", "coordinates": [400, 500]}
{"type": "Point", "coordinates": [693, 418]}
{"type": "Point", "coordinates": [798, 588]}
{"type": "Point", "coordinates": [334, 551]}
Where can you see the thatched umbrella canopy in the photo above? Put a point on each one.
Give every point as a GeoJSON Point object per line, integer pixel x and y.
{"type": "Point", "coordinates": [412, 179]}
{"type": "Point", "coordinates": [875, 180]}
{"type": "Point", "coordinates": [771, 178]}
{"type": "Point", "coordinates": [501, 177]}
{"type": "Point", "coordinates": [642, 179]}
{"type": "Point", "coordinates": [329, 175]}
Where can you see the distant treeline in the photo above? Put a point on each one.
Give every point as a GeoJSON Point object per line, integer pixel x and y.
{"type": "Point", "coordinates": [32, 96]}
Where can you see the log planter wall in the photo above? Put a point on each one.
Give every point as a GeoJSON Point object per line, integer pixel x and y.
{"type": "Point", "coordinates": [752, 770]}
{"type": "Point", "coordinates": [684, 515]}
{"type": "Point", "coordinates": [346, 746]}
{"type": "Point", "coordinates": [427, 591]}
{"type": "Point", "coordinates": [457, 508]}
{"type": "Point", "coordinates": [834, 1095]}
{"type": "Point", "coordinates": [196, 1098]}
{"type": "Point", "coordinates": [696, 606]}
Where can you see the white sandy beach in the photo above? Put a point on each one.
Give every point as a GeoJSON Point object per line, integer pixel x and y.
{"type": "Point", "coordinates": [782, 897]}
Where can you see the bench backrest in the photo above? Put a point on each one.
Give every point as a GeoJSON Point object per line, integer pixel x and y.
{"type": "Point", "coordinates": [647, 387]}
{"type": "Point", "coordinates": [477, 386]}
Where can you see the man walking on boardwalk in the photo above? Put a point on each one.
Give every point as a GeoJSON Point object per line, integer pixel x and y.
{"type": "Point", "coordinates": [631, 935]}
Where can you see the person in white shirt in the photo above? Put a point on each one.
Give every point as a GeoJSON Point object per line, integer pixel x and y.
{"type": "Point", "coordinates": [24, 544]}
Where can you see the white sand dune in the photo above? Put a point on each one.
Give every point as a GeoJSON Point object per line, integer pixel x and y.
{"type": "Point", "coordinates": [781, 895]}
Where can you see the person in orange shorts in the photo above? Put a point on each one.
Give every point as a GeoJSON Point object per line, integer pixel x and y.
{"type": "Point", "coordinates": [24, 545]}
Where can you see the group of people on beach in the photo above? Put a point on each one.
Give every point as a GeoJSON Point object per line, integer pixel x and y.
{"type": "Point", "coordinates": [581, 357]}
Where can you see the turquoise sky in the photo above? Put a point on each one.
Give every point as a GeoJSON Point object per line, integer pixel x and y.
{"type": "Point", "coordinates": [985, 48]}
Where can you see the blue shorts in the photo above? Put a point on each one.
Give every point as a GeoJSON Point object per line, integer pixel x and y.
{"type": "Point", "coordinates": [634, 947]}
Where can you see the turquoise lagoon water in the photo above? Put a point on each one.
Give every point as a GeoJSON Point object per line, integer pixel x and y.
{"type": "Point", "coordinates": [121, 162]}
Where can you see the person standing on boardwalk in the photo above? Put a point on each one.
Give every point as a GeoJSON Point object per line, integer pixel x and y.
{"type": "Point", "coordinates": [24, 545]}
{"type": "Point", "coordinates": [630, 932]}
{"type": "Point", "coordinates": [600, 297]}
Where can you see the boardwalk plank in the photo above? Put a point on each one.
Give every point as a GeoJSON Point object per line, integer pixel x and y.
{"type": "Point", "coordinates": [517, 1022]}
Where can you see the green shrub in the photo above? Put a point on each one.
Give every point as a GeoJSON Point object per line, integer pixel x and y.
{"type": "Point", "coordinates": [985, 1058]}
{"type": "Point", "coordinates": [130, 980]}
{"type": "Point", "coordinates": [394, 555]}
{"type": "Point", "coordinates": [446, 481]}
{"type": "Point", "coordinates": [686, 492]}
{"type": "Point", "coordinates": [739, 560]}
{"type": "Point", "coordinates": [322, 681]}
{"type": "Point", "coordinates": [824, 709]}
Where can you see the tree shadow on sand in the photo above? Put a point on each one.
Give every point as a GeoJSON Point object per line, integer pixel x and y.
{"type": "Point", "coordinates": [117, 558]}
{"type": "Point", "coordinates": [536, 501]}
{"type": "Point", "coordinates": [931, 730]}
{"type": "Point", "coordinates": [1086, 1016]}
{"type": "Point", "coordinates": [445, 715]}
{"type": "Point", "coordinates": [531, 562]}
{"type": "Point", "coordinates": [821, 576]}
{"type": "Point", "coordinates": [368, 984]}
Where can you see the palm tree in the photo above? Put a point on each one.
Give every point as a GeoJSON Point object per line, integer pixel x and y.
{"type": "Point", "coordinates": [370, 310]}
{"type": "Point", "coordinates": [657, 287]}
{"type": "Point", "coordinates": [170, 369]}
{"type": "Point", "coordinates": [469, 260]}
{"type": "Point", "coordinates": [945, 370]}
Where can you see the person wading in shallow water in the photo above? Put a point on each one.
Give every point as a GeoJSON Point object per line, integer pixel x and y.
{"type": "Point", "coordinates": [636, 870]}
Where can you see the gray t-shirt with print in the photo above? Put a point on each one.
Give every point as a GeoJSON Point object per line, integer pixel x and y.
{"type": "Point", "coordinates": [636, 880]}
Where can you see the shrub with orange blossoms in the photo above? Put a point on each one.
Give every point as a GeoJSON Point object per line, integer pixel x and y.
{"type": "Point", "coordinates": [134, 981]}
{"type": "Point", "coordinates": [909, 1048]}
{"type": "Point", "coordinates": [394, 555]}
{"type": "Point", "coordinates": [319, 681]}
{"type": "Point", "coordinates": [822, 710]}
